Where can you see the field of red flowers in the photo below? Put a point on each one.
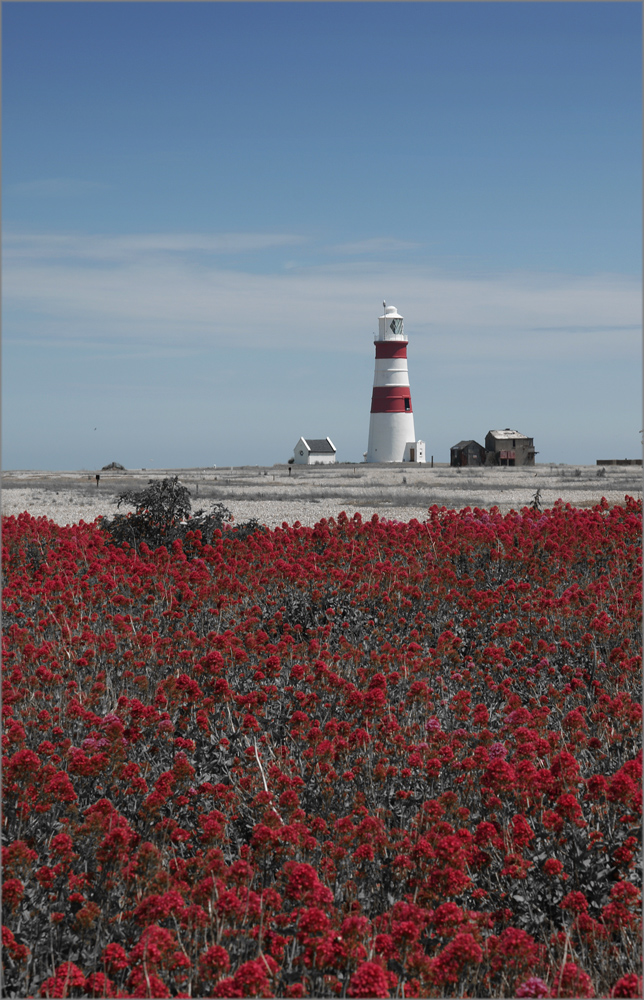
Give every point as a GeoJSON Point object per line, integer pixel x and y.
{"type": "Point", "coordinates": [364, 759]}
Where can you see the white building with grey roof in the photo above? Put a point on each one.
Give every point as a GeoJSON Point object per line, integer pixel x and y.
{"type": "Point", "coordinates": [314, 451]}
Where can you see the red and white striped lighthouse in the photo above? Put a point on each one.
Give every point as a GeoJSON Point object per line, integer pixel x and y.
{"type": "Point", "coordinates": [391, 428]}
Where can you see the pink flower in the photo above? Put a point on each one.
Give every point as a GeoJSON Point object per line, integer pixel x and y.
{"type": "Point", "coordinates": [533, 987]}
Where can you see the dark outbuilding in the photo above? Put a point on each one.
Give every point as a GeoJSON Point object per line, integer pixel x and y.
{"type": "Point", "coordinates": [467, 453]}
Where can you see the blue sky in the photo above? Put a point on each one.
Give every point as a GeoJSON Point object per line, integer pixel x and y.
{"type": "Point", "coordinates": [205, 204]}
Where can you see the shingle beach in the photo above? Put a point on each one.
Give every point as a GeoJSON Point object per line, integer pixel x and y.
{"type": "Point", "coordinates": [308, 494]}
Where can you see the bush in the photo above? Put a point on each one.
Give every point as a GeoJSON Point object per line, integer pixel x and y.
{"type": "Point", "coordinates": [162, 515]}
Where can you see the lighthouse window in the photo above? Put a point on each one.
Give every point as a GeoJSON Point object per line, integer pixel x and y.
{"type": "Point", "coordinates": [396, 327]}
{"type": "Point", "coordinates": [407, 402]}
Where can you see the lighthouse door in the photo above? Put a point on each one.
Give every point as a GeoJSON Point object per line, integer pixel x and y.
{"type": "Point", "coordinates": [412, 454]}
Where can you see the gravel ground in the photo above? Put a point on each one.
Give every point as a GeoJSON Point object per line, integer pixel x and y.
{"type": "Point", "coordinates": [70, 506]}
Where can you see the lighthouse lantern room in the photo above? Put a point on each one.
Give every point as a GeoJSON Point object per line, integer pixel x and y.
{"type": "Point", "coordinates": [391, 427]}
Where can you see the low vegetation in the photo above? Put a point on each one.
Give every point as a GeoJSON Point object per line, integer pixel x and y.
{"type": "Point", "coordinates": [364, 759]}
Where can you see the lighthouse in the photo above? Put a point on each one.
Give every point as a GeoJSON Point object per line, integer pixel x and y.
{"type": "Point", "coordinates": [391, 428]}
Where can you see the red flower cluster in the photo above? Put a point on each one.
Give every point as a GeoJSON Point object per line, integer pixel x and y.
{"type": "Point", "coordinates": [361, 759]}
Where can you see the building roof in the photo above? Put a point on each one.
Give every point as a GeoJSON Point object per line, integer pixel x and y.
{"type": "Point", "coordinates": [506, 434]}
{"type": "Point", "coordinates": [464, 444]}
{"type": "Point", "coordinates": [321, 446]}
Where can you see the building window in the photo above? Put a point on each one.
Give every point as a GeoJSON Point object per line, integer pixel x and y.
{"type": "Point", "coordinates": [407, 403]}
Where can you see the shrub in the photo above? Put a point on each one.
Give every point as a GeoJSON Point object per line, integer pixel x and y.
{"type": "Point", "coordinates": [162, 515]}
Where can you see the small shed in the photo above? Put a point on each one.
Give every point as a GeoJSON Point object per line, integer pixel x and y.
{"type": "Point", "coordinates": [467, 453]}
{"type": "Point", "coordinates": [314, 451]}
{"type": "Point", "coordinates": [508, 447]}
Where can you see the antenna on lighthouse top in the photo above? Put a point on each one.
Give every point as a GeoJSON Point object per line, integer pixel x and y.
{"type": "Point", "coordinates": [384, 305]}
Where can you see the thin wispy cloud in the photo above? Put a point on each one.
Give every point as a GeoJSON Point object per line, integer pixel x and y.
{"type": "Point", "coordinates": [376, 245]}
{"type": "Point", "coordinates": [618, 328]}
{"type": "Point", "coordinates": [148, 289]}
{"type": "Point", "coordinates": [77, 246]}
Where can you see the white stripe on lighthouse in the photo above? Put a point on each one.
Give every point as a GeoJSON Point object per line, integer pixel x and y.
{"type": "Point", "coordinates": [391, 371]}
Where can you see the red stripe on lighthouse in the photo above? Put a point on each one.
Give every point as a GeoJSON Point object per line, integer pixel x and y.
{"type": "Point", "coordinates": [391, 399]}
{"type": "Point", "coordinates": [390, 349]}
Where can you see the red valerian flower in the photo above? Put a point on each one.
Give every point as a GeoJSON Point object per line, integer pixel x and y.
{"type": "Point", "coordinates": [295, 990]}
{"type": "Point", "coordinates": [214, 962]}
{"type": "Point", "coordinates": [61, 789]}
{"type": "Point", "coordinates": [251, 979]}
{"type": "Point", "coordinates": [568, 807]}
{"type": "Point", "coordinates": [487, 833]}
{"type": "Point", "coordinates": [98, 985]}
{"type": "Point", "coordinates": [17, 951]}
{"type": "Point", "coordinates": [304, 885]}
{"type": "Point", "coordinates": [515, 947]}
{"type": "Point", "coordinates": [446, 917]}
{"type": "Point", "coordinates": [145, 983]}
{"type": "Point", "coordinates": [522, 832]}
{"type": "Point", "coordinates": [481, 716]}
{"type": "Point", "coordinates": [461, 951]}
{"type": "Point", "coordinates": [228, 989]}
{"type": "Point", "coordinates": [61, 844]}
{"type": "Point", "coordinates": [384, 945]}
{"type": "Point", "coordinates": [22, 766]}
{"type": "Point", "coordinates": [313, 921]}
{"type": "Point", "coordinates": [623, 909]}
{"type": "Point", "coordinates": [575, 902]}
{"type": "Point", "coordinates": [80, 612]}
{"type": "Point", "coordinates": [155, 908]}
{"type": "Point", "coordinates": [573, 982]}
{"type": "Point", "coordinates": [68, 977]}
{"type": "Point", "coordinates": [628, 986]}
{"type": "Point", "coordinates": [500, 776]}
{"type": "Point", "coordinates": [622, 788]}
{"type": "Point", "coordinates": [156, 947]}
{"type": "Point", "coordinates": [115, 958]}
{"type": "Point", "coordinates": [12, 892]}
{"type": "Point", "coordinates": [87, 915]}
{"type": "Point", "coordinates": [369, 980]}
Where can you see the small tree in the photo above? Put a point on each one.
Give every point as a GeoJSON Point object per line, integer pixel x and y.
{"type": "Point", "coordinates": [162, 515]}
